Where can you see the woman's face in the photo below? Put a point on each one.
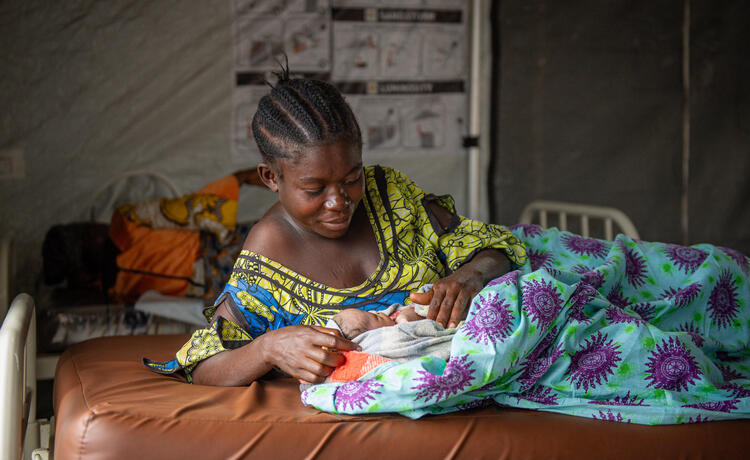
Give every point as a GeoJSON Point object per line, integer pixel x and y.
{"type": "Point", "coordinates": [322, 187]}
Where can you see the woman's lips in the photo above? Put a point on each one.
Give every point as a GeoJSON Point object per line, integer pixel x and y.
{"type": "Point", "coordinates": [337, 223]}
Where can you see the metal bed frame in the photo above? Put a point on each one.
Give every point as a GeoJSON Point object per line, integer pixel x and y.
{"type": "Point", "coordinates": [22, 435]}
{"type": "Point", "coordinates": [542, 209]}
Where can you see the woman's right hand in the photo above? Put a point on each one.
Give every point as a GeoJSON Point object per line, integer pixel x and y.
{"type": "Point", "coordinates": [298, 351]}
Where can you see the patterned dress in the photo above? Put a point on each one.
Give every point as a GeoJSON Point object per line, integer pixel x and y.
{"type": "Point", "coordinates": [414, 250]}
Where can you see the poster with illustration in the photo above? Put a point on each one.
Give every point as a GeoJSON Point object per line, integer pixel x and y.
{"type": "Point", "coordinates": [403, 67]}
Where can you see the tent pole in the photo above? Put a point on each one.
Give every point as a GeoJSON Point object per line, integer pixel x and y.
{"type": "Point", "coordinates": [685, 198]}
{"type": "Point", "coordinates": [474, 108]}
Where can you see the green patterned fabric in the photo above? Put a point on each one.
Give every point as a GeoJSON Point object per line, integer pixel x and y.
{"type": "Point", "coordinates": [626, 331]}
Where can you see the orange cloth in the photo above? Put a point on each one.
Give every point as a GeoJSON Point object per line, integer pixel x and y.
{"type": "Point", "coordinates": [227, 187]}
{"type": "Point", "coordinates": [356, 365]}
{"type": "Point", "coordinates": [162, 258]}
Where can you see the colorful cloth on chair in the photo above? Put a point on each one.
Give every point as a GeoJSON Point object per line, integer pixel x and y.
{"type": "Point", "coordinates": [414, 250]}
{"type": "Point", "coordinates": [159, 239]}
{"type": "Point", "coordinates": [626, 331]}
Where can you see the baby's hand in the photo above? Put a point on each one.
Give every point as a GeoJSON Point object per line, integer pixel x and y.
{"type": "Point", "coordinates": [406, 315]}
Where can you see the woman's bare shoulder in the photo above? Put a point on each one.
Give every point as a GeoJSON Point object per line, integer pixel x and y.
{"type": "Point", "coordinates": [269, 236]}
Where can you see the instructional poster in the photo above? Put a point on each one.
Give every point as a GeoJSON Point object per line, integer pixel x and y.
{"type": "Point", "coordinates": [402, 66]}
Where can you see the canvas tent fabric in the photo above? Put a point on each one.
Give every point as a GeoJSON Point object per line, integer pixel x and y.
{"type": "Point", "coordinates": [91, 89]}
{"type": "Point", "coordinates": [591, 111]}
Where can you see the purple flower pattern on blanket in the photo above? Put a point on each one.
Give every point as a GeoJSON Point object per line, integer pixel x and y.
{"type": "Point", "coordinates": [591, 365]}
{"type": "Point", "coordinates": [644, 309]}
{"type": "Point", "coordinates": [718, 406]}
{"type": "Point", "coordinates": [730, 374]}
{"type": "Point", "coordinates": [543, 301]}
{"type": "Point", "coordinates": [684, 296]}
{"type": "Point", "coordinates": [616, 296]}
{"type": "Point", "coordinates": [529, 230]}
{"type": "Point", "coordinates": [686, 258]}
{"type": "Point", "coordinates": [582, 295]}
{"type": "Point", "coordinates": [507, 279]}
{"type": "Point", "coordinates": [595, 278]}
{"type": "Point", "coordinates": [738, 257]}
{"type": "Point", "coordinates": [610, 416]}
{"type": "Point", "coordinates": [625, 400]}
{"type": "Point", "coordinates": [492, 322]}
{"type": "Point", "coordinates": [585, 246]}
{"type": "Point", "coordinates": [539, 259]}
{"type": "Point", "coordinates": [541, 395]}
{"type": "Point", "coordinates": [617, 315]}
{"type": "Point", "coordinates": [635, 267]}
{"type": "Point", "coordinates": [456, 377]}
{"type": "Point", "coordinates": [356, 394]}
{"type": "Point", "coordinates": [722, 304]}
{"type": "Point", "coordinates": [736, 390]}
{"type": "Point", "coordinates": [695, 336]}
{"type": "Point", "coordinates": [672, 367]}
{"type": "Point", "coordinates": [535, 367]}
{"type": "Point", "coordinates": [542, 349]}
{"type": "Point", "coordinates": [477, 403]}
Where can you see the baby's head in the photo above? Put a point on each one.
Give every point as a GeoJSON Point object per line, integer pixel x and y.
{"type": "Point", "coordinates": [353, 322]}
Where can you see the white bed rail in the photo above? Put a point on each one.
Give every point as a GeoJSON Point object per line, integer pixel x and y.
{"type": "Point", "coordinates": [19, 429]}
{"type": "Point", "coordinates": [6, 271]}
{"type": "Point", "coordinates": [585, 213]}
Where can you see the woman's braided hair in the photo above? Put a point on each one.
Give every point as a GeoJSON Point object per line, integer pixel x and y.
{"type": "Point", "coordinates": [302, 112]}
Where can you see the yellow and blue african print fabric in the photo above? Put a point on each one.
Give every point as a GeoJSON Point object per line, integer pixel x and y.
{"type": "Point", "coordinates": [414, 250]}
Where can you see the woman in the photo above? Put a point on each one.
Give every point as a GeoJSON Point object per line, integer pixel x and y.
{"type": "Point", "coordinates": [341, 236]}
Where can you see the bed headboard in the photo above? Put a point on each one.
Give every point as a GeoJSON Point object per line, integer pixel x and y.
{"type": "Point", "coordinates": [539, 211]}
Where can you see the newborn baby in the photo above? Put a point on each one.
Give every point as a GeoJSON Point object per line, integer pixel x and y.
{"type": "Point", "coordinates": [398, 333]}
{"type": "Point", "coordinates": [406, 337]}
{"type": "Point", "coordinates": [353, 322]}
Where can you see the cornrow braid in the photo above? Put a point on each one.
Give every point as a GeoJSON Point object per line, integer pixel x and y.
{"type": "Point", "coordinates": [302, 112]}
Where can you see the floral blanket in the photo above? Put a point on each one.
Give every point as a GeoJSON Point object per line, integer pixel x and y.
{"type": "Point", "coordinates": [627, 331]}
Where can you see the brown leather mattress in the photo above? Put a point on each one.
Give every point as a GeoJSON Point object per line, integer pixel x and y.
{"type": "Point", "coordinates": [108, 406]}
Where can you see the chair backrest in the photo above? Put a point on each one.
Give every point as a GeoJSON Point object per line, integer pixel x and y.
{"type": "Point", "coordinates": [150, 184]}
{"type": "Point", "coordinates": [540, 212]}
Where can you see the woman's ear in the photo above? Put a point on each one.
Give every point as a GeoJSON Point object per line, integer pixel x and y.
{"type": "Point", "coordinates": [269, 175]}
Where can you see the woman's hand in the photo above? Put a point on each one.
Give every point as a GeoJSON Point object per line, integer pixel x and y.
{"type": "Point", "coordinates": [299, 351]}
{"type": "Point", "coordinates": [451, 296]}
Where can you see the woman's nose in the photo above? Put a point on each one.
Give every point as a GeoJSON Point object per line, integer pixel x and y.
{"type": "Point", "coordinates": [337, 200]}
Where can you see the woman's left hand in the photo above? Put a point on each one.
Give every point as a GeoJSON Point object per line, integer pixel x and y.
{"type": "Point", "coordinates": [451, 296]}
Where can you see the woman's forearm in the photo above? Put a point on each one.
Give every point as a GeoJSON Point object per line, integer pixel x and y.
{"type": "Point", "coordinates": [489, 263]}
{"type": "Point", "coordinates": [237, 367]}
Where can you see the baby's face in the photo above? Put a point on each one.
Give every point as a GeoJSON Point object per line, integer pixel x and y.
{"type": "Point", "coordinates": [354, 322]}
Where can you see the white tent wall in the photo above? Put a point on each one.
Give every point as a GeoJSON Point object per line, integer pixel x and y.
{"type": "Point", "coordinates": [90, 89]}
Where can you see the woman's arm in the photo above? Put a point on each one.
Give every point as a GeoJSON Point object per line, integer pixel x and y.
{"type": "Point", "coordinates": [296, 350]}
{"type": "Point", "coordinates": [451, 296]}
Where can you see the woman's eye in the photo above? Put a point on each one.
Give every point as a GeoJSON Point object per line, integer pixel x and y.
{"type": "Point", "coordinates": [317, 191]}
{"type": "Point", "coordinates": [354, 181]}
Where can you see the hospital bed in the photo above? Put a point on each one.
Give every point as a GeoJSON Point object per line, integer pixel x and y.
{"type": "Point", "coordinates": [109, 406]}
